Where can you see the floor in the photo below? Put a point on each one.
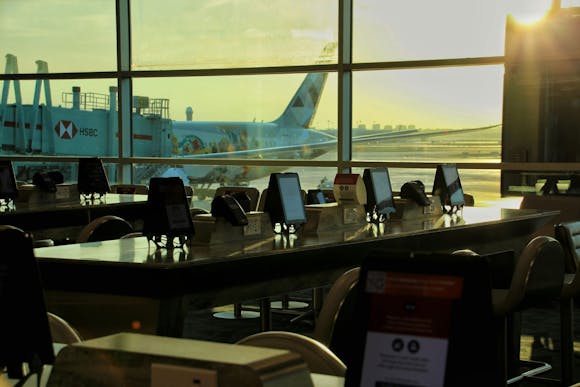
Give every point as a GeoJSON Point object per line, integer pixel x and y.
{"type": "Point", "coordinates": [539, 341]}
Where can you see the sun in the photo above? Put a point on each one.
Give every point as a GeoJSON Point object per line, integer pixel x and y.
{"type": "Point", "coordinates": [528, 11]}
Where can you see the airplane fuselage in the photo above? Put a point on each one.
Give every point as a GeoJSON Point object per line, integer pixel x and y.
{"type": "Point", "coordinates": [193, 139]}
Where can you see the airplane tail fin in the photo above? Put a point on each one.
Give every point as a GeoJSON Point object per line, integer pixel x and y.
{"type": "Point", "coordinates": [300, 111]}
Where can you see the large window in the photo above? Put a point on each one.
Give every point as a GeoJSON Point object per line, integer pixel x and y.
{"type": "Point", "coordinates": [224, 92]}
{"type": "Point", "coordinates": [181, 34]}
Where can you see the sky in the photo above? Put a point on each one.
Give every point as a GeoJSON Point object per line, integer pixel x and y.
{"type": "Point", "coordinates": [74, 35]}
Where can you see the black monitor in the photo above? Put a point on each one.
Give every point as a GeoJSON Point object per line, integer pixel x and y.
{"type": "Point", "coordinates": [417, 315]}
{"type": "Point", "coordinates": [92, 179]}
{"type": "Point", "coordinates": [447, 186]}
{"type": "Point", "coordinates": [284, 201]}
{"type": "Point", "coordinates": [380, 202]}
{"type": "Point", "coordinates": [8, 187]}
{"type": "Point", "coordinates": [168, 215]}
{"type": "Point", "coordinates": [24, 329]}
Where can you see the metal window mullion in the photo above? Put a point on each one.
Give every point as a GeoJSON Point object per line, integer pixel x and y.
{"type": "Point", "coordinates": [124, 84]}
{"type": "Point", "coordinates": [344, 85]}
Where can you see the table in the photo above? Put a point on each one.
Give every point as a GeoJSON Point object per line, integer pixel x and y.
{"type": "Point", "coordinates": [213, 275]}
{"type": "Point", "coordinates": [63, 219]}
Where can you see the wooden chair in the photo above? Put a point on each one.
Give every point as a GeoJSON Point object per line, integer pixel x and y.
{"type": "Point", "coordinates": [105, 228]}
{"type": "Point", "coordinates": [319, 358]}
{"type": "Point", "coordinates": [135, 189]}
{"type": "Point", "coordinates": [568, 205]}
{"type": "Point", "coordinates": [27, 330]}
{"type": "Point", "coordinates": [469, 199]}
{"type": "Point", "coordinates": [130, 235]}
{"type": "Point", "coordinates": [537, 277]}
{"type": "Point", "coordinates": [253, 194]}
{"type": "Point", "coordinates": [327, 340]}
{"type": "Point", "coordinates": [61, 331]}
{"type": "Point", "coordinates": [568, 234]}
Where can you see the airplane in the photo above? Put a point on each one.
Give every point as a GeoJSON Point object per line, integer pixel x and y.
{"type": "Point", "coordinates": [86, 130]}
{"type": "Point", "coordinates": [287, 137]}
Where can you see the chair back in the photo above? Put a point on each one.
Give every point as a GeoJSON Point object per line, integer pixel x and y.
{"type": "Point", "coordinates": [135, 189]}
{"type": "Point", "coordinates": [62, 331]}
{"type": "Point", "coordinates": [317, 356]}
{"type": "Point", "coordinates": [568, 205]}
{"type": "Point", "coordinates": [198, 211]}
{"type": "Point", "coordinates": [253, 194]}
{"type": "Point", "coordinates": [24, 329]}
{"type": "Point", "coordinates": [105, 228]}
{"type": "Point", "coordinates": [334, 316]}
{"type": "Point", "coordinates": [538, 274]}
{"type": "Point", "coordinates": [135, 234]}
{"type": "Point", "coordinates": [262, 200]}
{"type": "Point", "coordinates": [568, 234]}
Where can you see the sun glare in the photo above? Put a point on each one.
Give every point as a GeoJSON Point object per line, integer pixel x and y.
{"type": "Point", "coordinates": [528, 11]}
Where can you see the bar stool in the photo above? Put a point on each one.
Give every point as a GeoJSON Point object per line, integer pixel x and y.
{"type": "Point", "coordinates": [326, 348]}
{"type": "Point", "coordinates": [104, 228]}
{"type": "Point", "coordinates": [538, 276]}
{"type": "Point", "coordinates": [568, 234]}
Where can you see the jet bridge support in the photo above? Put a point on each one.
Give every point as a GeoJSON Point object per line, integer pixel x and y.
{"type": "Point", "coordinates": [12, 120]}
{"type": "Point", "coordinates": [21, 134]}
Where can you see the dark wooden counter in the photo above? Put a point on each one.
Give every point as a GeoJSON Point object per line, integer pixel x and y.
{"type": "Point", "coordinates": [211, 275]}
{"type": "Point", "coordinates": [64, 219]}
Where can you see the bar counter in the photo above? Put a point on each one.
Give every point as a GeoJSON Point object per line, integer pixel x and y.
{"type": "Point", "coordinates": [202, 276]}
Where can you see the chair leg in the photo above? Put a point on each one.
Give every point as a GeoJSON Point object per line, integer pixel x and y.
{"type": "Point", "coordinates": [237, 314]}
{"type": "Point", "coordinates": [567, 340]}
{"type": "Point", "coordinates": [513, 332]}
{"type": "Point", "coordinates": [501, 334]}
{"type": "Point", "coordinates": [265, 314]}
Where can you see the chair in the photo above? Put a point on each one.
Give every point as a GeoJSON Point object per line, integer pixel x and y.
{"type": "Point", "coordinates": [104, 228]}
{"type": "Point", "coordinates": [568, 205]}
{"type": "Point", "coordinates": [188, 190]}
{"type": "Point", "coordinates": [61, 331]}
{"type": "Point", "coordinates": [334, 319]}
{"type": "Point", "coordinates": [568, 234]}
{"type": "Point", "coordinates": [253, 194]}
{"type": "Point", "coordinates": [43, 243]}
{"type": "Point", "coordinates": [198, 211]}
{"type": "Point", "coordinates": [319, 358]}
{"type": "Point", "coordinates": [135, 189]}
{"type": "Point", "coordinates": [469, 199]}
{"type": "Point", "coordinates": [130, 235]}
{"type": "Point", "coordinates": [537, 277]}
{"type": "Point", "coordinates": [327, 340]}
{"type": "Point", "coordinates": [27, 330]}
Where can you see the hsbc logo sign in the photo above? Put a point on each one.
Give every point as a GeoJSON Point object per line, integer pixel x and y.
{"type": "Point", "coordinates": [66, 129]}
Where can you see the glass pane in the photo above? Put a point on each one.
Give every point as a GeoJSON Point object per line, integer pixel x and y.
{"type": "Point", "coordinates": [412, 114]}
{"type": "Point", "coordinates": [68, 35]}
{"type": "Point", "coordinates": [256, 176]}
{"type": "Point", "coordinates": [69, 118]}
{"type": "Point", "coordinates": [178, 34]}
{"type": "Point", "coordinates": [570, 3]}
{"type": "Point", "coordinates": [483, 184]}
{"type": "Point", "coordinates": [256, 117]}
{"type": "Point", "coordinates": [418, 29]}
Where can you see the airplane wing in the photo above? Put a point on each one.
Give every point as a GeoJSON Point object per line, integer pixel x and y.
{"type": "Point", "coordinates": [417, 133]}
{"type": "Point", "coordinates": [295, 151]}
